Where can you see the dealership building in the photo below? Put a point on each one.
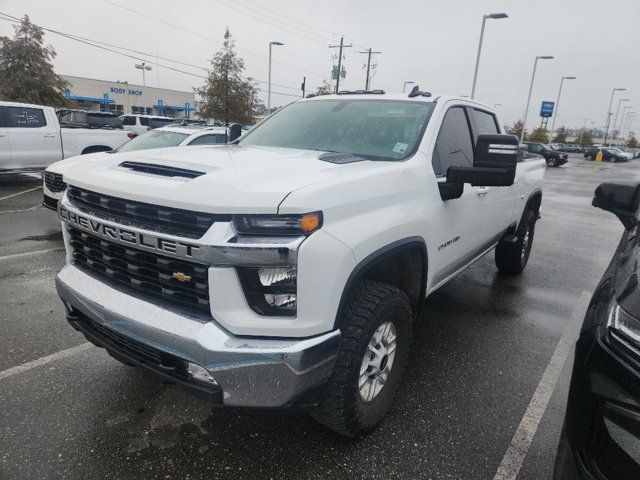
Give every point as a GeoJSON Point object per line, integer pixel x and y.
{"type": "Point", "coordinates": [123, 97]}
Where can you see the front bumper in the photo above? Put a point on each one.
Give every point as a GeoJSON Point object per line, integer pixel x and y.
{"type": "Point", "coordinates": [250, 372]}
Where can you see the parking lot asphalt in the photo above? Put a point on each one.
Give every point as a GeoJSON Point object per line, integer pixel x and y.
{"type": "Point", "coordinates": [480, 350]}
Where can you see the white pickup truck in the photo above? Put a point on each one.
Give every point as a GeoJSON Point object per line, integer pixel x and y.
{"type": "Point", "coordinates": [31, 138]}
{"type": "Point", "coordinates": [288, 268]}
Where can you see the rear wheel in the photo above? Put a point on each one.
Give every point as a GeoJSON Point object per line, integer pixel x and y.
{"type": "Point", "coordinates": [376, 335]}
{"type": "Point", "coordinates": [512, 256]}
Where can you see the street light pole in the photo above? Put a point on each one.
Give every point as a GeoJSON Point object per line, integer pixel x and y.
{"type": "Point", "coordinates": [555, 114]}
{"type": "Point", "coordinates": [404, 86]}
{"type": "Point", "coordinates": [533, 77]}
{"type": "Point", "coordinates": [584, 125]}
{"type": "Point", "coordinates": [606, 130]}
{"type": "Point", "coordinates": [271, 44]}
{"type": "Point", "coordinates": [622, 120]}
{"type": "Point", "coordinates": [493, 16]}
{"type": "Point", "coordinates": [615, 119]}
{"type": "Point", "coordinates": [144, 67]}
{"type": "Point", "coordinates": [625, 123]}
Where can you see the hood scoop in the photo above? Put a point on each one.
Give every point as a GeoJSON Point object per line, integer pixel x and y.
{"type": "Point", "coordinates": [161, 170]}
{"type": "Point", "coordinates": [340, 158]}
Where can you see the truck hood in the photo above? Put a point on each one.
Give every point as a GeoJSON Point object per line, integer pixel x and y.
{"type": "Point", "coordinates": [235, 179]}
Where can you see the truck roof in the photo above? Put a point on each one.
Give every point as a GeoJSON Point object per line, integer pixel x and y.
{"type": "Point", "coordinates": [424, 97]}
{"type": "Point", "coordinates": [19, 104]}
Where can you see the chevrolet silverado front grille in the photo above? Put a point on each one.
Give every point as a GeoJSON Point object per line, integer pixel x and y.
{"type": "Point", "coordinates": [54, 182]}
{"type": "Point", "coordinates": [168, 220]}
{"type": "Point", "coordinates": [179, 281]}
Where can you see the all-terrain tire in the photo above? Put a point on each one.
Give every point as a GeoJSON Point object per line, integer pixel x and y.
{"type": "Point", "coordinates": [343, 408]}
{"type": "Point", "coordinates": [512, 257]}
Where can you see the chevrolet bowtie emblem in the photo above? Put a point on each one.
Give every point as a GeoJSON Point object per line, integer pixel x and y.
{"type": "Point", "coordinates": [181, 277]}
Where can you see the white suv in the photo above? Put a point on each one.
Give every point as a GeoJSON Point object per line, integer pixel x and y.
{"type": "Point", "coordinates": [139, 124]}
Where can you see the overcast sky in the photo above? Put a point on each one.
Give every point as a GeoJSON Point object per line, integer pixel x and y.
{"type": "Point", "coordinates": [433, 43]}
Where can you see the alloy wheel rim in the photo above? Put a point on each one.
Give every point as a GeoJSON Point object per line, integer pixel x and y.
{"type": "Point", "coordinates": [377, 361]}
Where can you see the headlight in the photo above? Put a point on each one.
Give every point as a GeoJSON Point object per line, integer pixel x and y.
{"type": "Point", "coordinates": [270, 291]}
{"type": "Point", "coordinates": [304, 224]}
{"type": "Point", "coordinates": [623, 327]}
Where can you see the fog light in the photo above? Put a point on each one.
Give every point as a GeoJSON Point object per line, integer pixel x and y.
{"type": "Point", "coordinates": [285, 301]}
{"type": "Point", "coordinates": [270, 276]}
{"type": "Point", "coordinates": [200, 374]}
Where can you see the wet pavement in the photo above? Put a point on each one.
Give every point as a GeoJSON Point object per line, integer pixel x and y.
{"type": "Point", "coordinates": [480, 349]}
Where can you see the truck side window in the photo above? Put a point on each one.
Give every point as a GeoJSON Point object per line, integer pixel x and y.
{"type": "Point", "coordinates": [20, 117]}
{"type": "Point", "coordinates": [453, 145]}
{"type": "Point", "coordinates": [485, 122]}
{"type": "Point", "coordinates": [129, 121]}
{"type": "Point", "coordinates": [144, 121]}
{"type": "Point", "coordinates": [3, 122]}
{"type": "Point", "coordinates": [209, 140]}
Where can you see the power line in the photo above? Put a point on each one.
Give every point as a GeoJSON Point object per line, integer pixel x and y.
{"type": "Point", "coordinates": [286, 26]}
{"type": "Point", "coordinates": [206, 37]}
{"type": "Point", "coordinates": [139, 58]}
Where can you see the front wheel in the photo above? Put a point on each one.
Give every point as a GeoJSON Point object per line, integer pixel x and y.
{"type": "Point", "coordinates": [376, 335]}
{"type": "Point", "coordinates": [552, 162]}
{"type": "Point", "coordinates": [512, 256]}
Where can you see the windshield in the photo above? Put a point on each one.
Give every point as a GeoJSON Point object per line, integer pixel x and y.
{"type": "Point", "coordinates": [372, 129]}
{"type": "Point", "coordinates": [152, 139]}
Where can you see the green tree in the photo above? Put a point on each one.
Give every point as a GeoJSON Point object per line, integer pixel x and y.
{"type": "Point", "coordinates": [515, 129]}
{"type": "Point", "coordinates": [26, 72]}
{"type": "Point", "coordinates": [538, 135]}
{"type": "Point", "coordinates": [225, 94]}
{"type": "Point", "coordinates": [633, 142]}
{"type": "Point", "coordinates": [325, 88]}
{"type": "Point", "coordinates": [561, 135]}
{"type": "Point", "coordinates": [584, 138]}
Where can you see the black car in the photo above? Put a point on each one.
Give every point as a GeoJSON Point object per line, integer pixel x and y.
{"type": "Point", "coordinates": [601, 434]}
{"type": "Point", "coordinates": [553, 157]}
{"type": "Point", "coordinates": [608, 154]}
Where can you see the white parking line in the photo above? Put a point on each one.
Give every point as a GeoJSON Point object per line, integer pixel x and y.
{"type": "Point", "coordinates": [34, 252]}
{"type": "Point", "coordinates": [44, 360]}
{"type": "Point", "coordinates": [19, 193]}
{"type": "Point", "coordinates": [521, 441]}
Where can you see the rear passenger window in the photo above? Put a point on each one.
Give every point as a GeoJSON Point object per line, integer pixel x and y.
{"type": "Point", "coordinates": [144, 121]}
{"type": "Point", "coordinates": [21, 117]}
{"type": "Point", "coordinates": [208, 140]}
{"type": "Point", "coordinates": [485, 122]}
{"type": "Point", "coordinates": [129, 121]}
{"type": "Point", "coordinates": [453, 145]}
{"type": "Point", "coordinates": [3, 122]}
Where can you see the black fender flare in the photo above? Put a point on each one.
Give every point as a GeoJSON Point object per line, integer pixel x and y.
{"type": "Point", "coordinates": [372, 259]}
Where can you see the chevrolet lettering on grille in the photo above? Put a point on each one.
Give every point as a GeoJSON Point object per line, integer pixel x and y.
{"type": "Point", "coordinates": [123, 235]}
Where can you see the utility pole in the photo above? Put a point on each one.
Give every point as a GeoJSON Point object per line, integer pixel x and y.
{"type": "Point", "coordinates": [303, 87]}
{"type": "Point", "coordinates": [369, 52]}
{"type": "Point", "coordinates": [341, 46]}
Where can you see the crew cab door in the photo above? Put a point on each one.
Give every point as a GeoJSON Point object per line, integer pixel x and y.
{"type": "Point", "coordinates": [458, 232]}
{"type": "Point", "coordinates": [34, 138]}
{"type": "Point", "coordinates": [496, 204]}
{"type": "Point", "coordinates": [5, 147]}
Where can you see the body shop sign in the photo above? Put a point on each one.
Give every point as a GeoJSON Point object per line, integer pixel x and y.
{"type": "Point", "coordinates": [127, 91]}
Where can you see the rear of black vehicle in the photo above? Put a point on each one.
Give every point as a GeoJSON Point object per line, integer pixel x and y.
{"type": "Point", "coordinates": [553, 157]}
{"type": "Point", "coordinates": [601, 435]}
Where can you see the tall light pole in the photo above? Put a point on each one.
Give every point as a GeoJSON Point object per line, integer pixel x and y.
{"type": "Point", "coordinates": [584, 126]}
{"type": "Point", "coordinates": [533, 77]}
{"type": "Point", "coordinates": [404, 86]}
{"type": "Point", "coordinates": [627, 122]}
{"type": "Point", "coordinates": [631, 123]}
{"type": "Point", "coordinates": [271, 44]}
{"type": "Point", "coordinates": [615, 119]}
{"type": "Point", "coordinates": [492, 16]}
{"type": "Point", "coordinates": [555, 113]}
{"type": "Point", "coordinates": [144, 67]}
{"type": "Point", "coordinates": [606, 128]}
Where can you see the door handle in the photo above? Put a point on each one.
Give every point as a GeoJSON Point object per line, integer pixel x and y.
{"type": "Point", "coordinates": [48, 135]}
{"type": "Point", "coordinates": [482, 190]}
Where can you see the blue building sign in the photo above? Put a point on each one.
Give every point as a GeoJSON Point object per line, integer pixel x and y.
{"type": "Point", "coordinates": [546, 109]}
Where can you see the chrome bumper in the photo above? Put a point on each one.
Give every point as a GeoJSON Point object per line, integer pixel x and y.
{"type": "Point", "coordinates": [251, 372]}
